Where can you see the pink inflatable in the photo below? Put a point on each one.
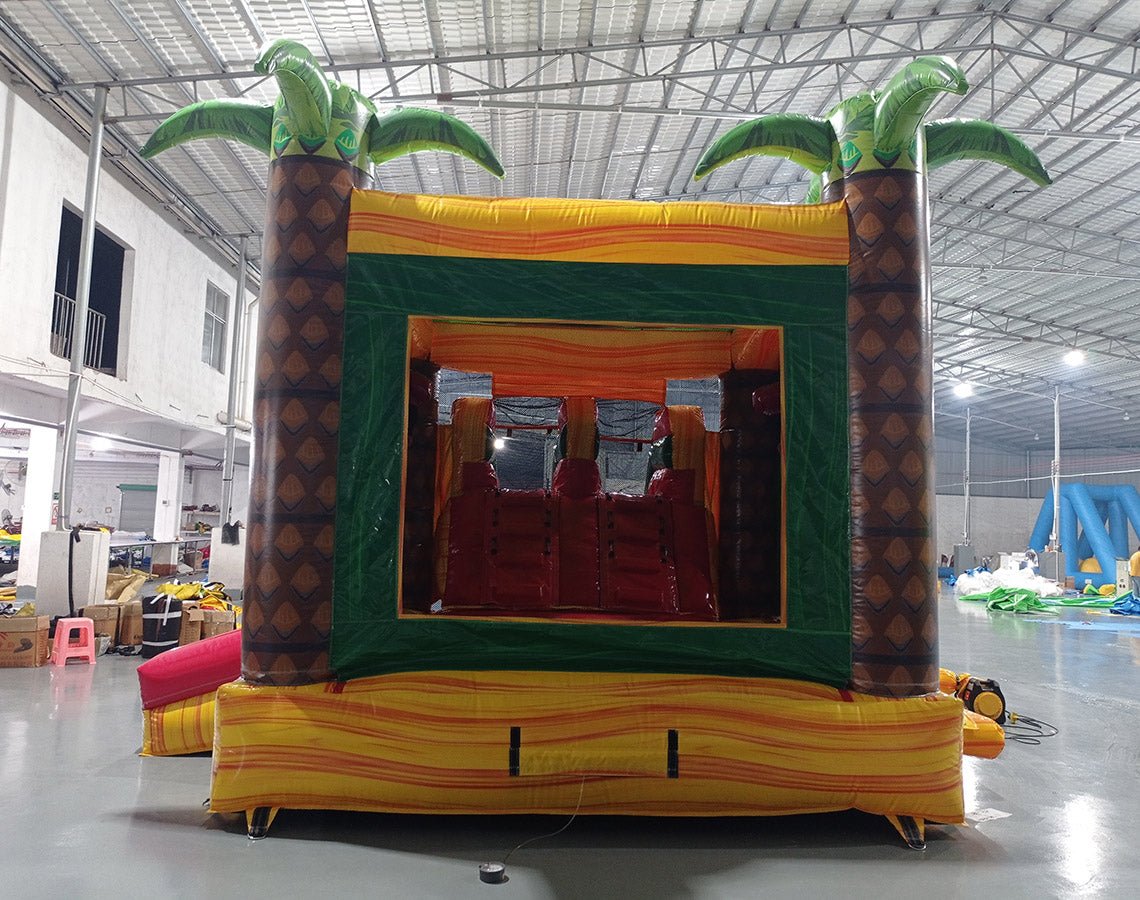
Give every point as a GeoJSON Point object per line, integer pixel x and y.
{"type": "Point", "coordinates": [198, 668]}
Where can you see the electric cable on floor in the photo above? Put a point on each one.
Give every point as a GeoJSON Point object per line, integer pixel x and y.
{"type": "Point", "coordinates": [1025, 730]}
{"type": "Point", "coordinates": [496, 873]}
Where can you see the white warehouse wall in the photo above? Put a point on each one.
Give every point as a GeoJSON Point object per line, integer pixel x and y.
{"type": "Point", "coordinates": [205, 486]}
{"type": "Point", "coordinates": [997, 524]}
{"type": "Point", "coordinates": [42, 168]}
{"type": "Point", "coordinates": [97, 494]}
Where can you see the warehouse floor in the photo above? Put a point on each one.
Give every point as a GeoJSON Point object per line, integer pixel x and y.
{"type": "Point", "coordinates": [84, 815]}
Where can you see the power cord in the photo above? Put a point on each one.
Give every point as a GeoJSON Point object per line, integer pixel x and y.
{"type": "Point", "coordinates": [1025, 730]}
{"type": "Point", "coordinates": [496, 873]}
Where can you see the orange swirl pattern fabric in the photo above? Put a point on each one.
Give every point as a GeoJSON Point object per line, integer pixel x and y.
{"type": "Point", "coordinates": [581, 427]}
{"type": "Point", "coordinates": [981, 736]}
{"type": "Point", "coordinates": [598, 230]}
{"type": "Point", "coordinates": [614, 361]}
{"type": "Point", "coordinates": [439, 742]}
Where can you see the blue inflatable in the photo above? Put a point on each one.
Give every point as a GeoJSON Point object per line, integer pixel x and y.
{"type": "Point", "coordinates": [1103, 513]}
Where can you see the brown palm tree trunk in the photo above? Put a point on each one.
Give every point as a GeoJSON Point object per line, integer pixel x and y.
{"type": "Point", "coordinates": [287, 605]}
{"type": "Point", "coordinates": [894, 616]}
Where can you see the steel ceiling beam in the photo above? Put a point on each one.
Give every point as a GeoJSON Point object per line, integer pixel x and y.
{"type": "Point", "coordinates": [983, 268]}
{"type": "Point", "coordinates": [41, 76]}
{"type": "Point", "coordinates": [453, 65]}
{"type": "Point", "coordinates": [204, 43]}
{"type": "Point", "coordinates": [1023, 382]}
{"type": "Point", "coordinates": [1003, 323]}
{"type": "Point", "coordinates": [631, 56]}
{"type": "Point", "coordinates": [544, 53]}
{"type": "Point", "coordinates": [78, 37]}
{"type": "Point", "coordinates": [946, 232]}
{"type": "Point", "coordinates": [1084, 74]}
{"type": "Point", "coordinates": [995, 215]}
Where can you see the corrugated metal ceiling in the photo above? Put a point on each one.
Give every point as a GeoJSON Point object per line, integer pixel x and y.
{"type": "Point", "coordinates": [618, 99]}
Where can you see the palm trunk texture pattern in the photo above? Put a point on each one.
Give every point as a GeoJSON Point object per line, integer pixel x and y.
{"type": "Point", "coordinates": [894, 621]}
{"type": "Point", "coordinates": [287, 602]}
{"type": "Point", "coordinates": [322, 138]}
{"type": "Point", "coordinates": [873, 151]}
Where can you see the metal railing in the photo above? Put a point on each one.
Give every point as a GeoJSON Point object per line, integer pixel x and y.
{"type": "Point", "coordinates": [62, 320]}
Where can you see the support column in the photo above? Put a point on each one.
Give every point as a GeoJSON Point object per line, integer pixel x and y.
{"type": "Point", "coordinates": [966, 485]}
{"type": "Point", "coordinates": [168, 512]}
{"type": "Point", "coordinates": [237, 316]}
{"type": "Point", "coordinates": [168, 500]}
{"type": "Point", "coordinates": [43, 449]}
{"type": "Point", "coordinates": [964, 556]}
{"type": "Point", "coordinates": [1055, 543]}
{"type": "Point", "coordinates": [79, 325]}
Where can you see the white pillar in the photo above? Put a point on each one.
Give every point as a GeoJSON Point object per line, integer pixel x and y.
{"type": "Point", "coordinates": [1055, 536]}
{"type": "Point", "coordinates": [43, 447]}
{"type": "Point", "coordinates": [237, 308]}
{"type": "Point", "coordinates": [966, 485]}
{"type": "Point", "coordinates": [168, 497]}
{"type": "Point", "coordinates": [79, 323]}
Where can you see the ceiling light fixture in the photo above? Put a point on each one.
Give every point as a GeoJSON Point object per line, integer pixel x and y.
{"type": "Point", "coordinates": [1075, 357]}
{"type": "Point", "coordinates": [100, 444]}
{"type": "Point", "coordinates": [963, 390]}
{"type": "Point", "coordinates": [500, 443]}
{"type": "Point", "coordinates": [1126, 416]}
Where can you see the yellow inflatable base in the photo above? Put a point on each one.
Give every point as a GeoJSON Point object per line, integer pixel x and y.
{"type": "Point", "coordinates": [175, 729]}
{"type": "Point", "coordinates": [603, 743]}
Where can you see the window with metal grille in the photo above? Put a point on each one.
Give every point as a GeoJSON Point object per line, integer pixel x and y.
{"type": "Point", "coordinates": [214, 328]}
{"type": "Point", "coordinates": [105, 296]}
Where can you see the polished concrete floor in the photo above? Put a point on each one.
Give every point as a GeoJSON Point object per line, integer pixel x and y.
{"type": "Point", "coordinates": [83, 815]}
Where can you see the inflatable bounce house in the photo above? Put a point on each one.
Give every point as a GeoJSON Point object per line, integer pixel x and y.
{"type": "Point", "coordinates": [1093, 528]}
{"type": "Point", "coordinates": [749, 631]}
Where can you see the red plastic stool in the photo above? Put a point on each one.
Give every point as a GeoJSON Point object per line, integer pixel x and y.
{"type": "Point", "coordinates": [74, 639]}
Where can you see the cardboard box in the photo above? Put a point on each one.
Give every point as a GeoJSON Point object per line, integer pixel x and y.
{"type": "Point", "coordinates": [194, 559]}
{"type": "Point", "coordinates": [192, 617]}
{"type": "Point", "coordinates": [124, 586]}
{"type": "Point", "coordinates": [217, 621]}
{"type": "Point", "coordinates": [105, 616]}
{"type": "Point", "coordinates": [131, 623]}
{"type": "Point", "coordinates": [24, 641]}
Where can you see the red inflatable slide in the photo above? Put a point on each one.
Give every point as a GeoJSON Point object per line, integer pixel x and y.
{"type": "Point", "coordinates": [178, 689]}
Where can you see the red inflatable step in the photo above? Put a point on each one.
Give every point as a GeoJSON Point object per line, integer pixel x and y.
{"type": "Point", "coordinates": [190, 670]}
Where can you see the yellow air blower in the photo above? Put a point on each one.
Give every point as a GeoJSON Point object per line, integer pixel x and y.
{"type": "Point", "coordinates": [982, 695]}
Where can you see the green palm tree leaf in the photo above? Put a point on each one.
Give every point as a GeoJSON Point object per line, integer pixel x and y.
{"type": "Point", "coordinates": [805, 140]}
{"type": "Point", "coordinates": [908, 96]}
{"type": "Point", "coordinates": [950, 140]}
{"type": "Point", "coordinates": [410, 130]}
{"type": "Point", "coordinates": [305, 91]}
{"type": "Point", "coordinates": [815, 189]}
{"type": "Point", "coordinates": [235, 120]}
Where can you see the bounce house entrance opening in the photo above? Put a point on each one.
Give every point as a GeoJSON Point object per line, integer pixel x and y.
{"type": "Point", "coordinates": [585, 471]}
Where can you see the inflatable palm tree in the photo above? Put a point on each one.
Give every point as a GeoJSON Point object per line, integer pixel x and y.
{"type": "Point", "coordinates": [322, 138]}
{"type": "Point", "coordinates": [873, 151]}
